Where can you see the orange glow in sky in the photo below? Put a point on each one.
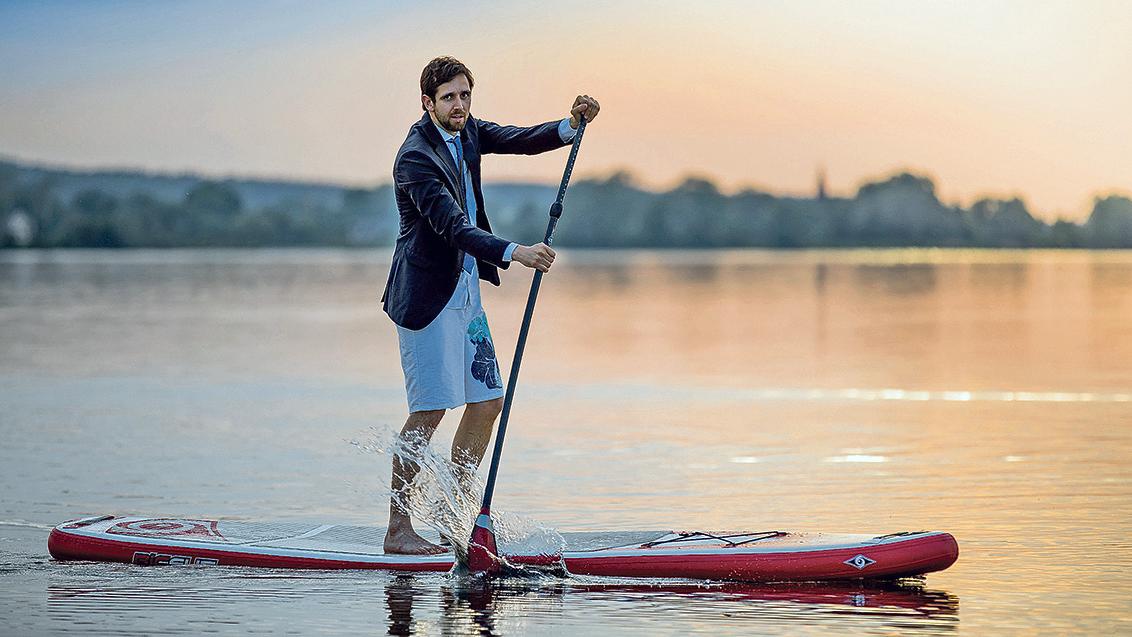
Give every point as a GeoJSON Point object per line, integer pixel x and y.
{"type": "Point", "coordinates": [999, 98]}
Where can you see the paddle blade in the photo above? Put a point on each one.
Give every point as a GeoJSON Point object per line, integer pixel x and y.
{"type": "Point", "coordinates": [483, 554]}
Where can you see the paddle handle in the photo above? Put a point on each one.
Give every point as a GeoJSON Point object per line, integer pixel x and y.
{"type": "Point", "coordinates": [513, 379]}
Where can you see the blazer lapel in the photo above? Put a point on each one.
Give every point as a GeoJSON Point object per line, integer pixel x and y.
{"type": "Point", "coordinates": [469, 138]}
{"type": "Point", "coordinates": [440, 149]}
{"type": "Point", "coordinates": [471, 153]}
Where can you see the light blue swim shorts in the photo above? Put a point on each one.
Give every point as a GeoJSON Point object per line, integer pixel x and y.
{"type": "Point", "coordinates": [451, 361]}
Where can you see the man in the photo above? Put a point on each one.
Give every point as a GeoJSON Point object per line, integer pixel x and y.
{"type": "Point", "coordinates": [444, 247]}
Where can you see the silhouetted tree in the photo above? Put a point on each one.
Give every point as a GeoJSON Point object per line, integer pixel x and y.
{"type": "Point", "coordinates": [1004, 223]}
{"type": "Point", "coordinates": [898, 210]}
{"type": "Point", "coordinates": [94, 202]}
{"type": "Point", "coordinates": [1110, 224]}
{"type": "Point", "coordinates": [212, 197]}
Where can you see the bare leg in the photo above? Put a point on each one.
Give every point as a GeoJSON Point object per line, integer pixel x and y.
{"type": "Point", "coordinates": [470, 442]}
{"type": "Point", "coordinates": [401, 538]}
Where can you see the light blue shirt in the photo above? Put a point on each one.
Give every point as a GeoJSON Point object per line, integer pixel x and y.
{"type": "Point", "coordinates": [565, 133]}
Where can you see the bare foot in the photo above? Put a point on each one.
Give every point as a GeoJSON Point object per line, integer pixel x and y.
{"type": "Point", "coordinates": [407, 542]}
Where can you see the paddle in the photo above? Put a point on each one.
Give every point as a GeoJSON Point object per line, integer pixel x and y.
{"type": "Point", "coordinates": [482, 550]}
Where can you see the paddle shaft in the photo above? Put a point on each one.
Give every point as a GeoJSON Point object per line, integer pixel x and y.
{"type": "Point", "coordinates": [555, 213]}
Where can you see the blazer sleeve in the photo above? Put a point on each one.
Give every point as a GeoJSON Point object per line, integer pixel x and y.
{"type": "Point", "coordinates": [518, 140]}
{"type": "Point", "coordinates": [416, 176]}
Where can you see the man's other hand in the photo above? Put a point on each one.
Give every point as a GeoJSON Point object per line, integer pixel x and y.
{"type": "Point", "coordinates": [538, 256]}
{"type": "Point", "coordinates": [583, 105]}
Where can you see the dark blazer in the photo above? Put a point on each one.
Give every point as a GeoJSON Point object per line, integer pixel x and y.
{"type": "Point", "coordinates": [435, 229]}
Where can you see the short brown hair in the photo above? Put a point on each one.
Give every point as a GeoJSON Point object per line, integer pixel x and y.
{"type": "Point", "coordinates": [441, 70]}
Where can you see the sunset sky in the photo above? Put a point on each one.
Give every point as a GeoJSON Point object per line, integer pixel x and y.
{"type": "Point", "coordinates": [998, 97]}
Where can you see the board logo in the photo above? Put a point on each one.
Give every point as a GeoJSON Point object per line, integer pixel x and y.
{"type": "Point", "coordinates": [859, 561]}
{"type": "Point", "coordinates": [163, 527]}
{"type": "Point", "coordinates": [142, 558]}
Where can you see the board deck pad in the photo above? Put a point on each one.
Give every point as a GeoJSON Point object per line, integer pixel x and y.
{"type": "Point", "coordinates": [719, 555]}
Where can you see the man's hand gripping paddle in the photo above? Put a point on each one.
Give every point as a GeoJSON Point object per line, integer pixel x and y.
{"type": "Point", "coordinates": [483, 554]}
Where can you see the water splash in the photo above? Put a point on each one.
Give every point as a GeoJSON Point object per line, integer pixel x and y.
{"type": "Point", "coordinates": [446, 497]}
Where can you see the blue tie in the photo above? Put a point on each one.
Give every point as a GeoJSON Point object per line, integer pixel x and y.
{"type": "Point", "coordinates": [469, 260]}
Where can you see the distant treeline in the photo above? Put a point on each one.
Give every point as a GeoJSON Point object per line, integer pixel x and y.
{"type": "Point", "coordinates": [57, 208]}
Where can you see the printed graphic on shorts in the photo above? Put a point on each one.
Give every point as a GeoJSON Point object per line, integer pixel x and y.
{"type": "Point", "coordinates": [484, 367]}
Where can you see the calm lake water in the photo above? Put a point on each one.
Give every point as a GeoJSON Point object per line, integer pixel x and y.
{"type": "Point", "coordinates": [985, 393]}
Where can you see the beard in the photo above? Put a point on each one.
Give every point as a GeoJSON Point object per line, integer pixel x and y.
{"type": "Point", "coordinates": [453, 126]}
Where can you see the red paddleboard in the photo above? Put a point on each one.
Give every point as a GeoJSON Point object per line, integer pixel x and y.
{"type": "Point", "coordinates": [725, 555]}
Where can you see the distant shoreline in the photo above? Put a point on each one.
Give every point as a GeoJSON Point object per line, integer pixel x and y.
{"type": "Point", "coordinates": [50, 208]}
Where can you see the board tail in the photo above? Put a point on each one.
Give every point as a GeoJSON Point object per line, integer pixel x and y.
{"type": "Point", "coordinates": [483, 553]}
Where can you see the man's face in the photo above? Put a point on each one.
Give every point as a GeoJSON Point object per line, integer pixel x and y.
{"type": "Point", "coordinates": [453, 104]}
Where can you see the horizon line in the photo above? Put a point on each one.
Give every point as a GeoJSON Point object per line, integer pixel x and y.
{"type": "Point", "coordinates": [819, 172]}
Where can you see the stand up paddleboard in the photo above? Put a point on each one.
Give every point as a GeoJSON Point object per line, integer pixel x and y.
{"type": "Point", "coordinates": [743, 556]}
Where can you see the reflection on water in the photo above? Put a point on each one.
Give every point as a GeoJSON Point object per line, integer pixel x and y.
{"type": "Point", "coordinates": [429, 603]}
{"type": "Point", "coordinates": [910, 279]}
{"type": "Point", "coordinates": [983, 393]}
{"type": "Point", "coordinates": [1008, 279]}
{"type": "Point", "coordinates": [473, 606]}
